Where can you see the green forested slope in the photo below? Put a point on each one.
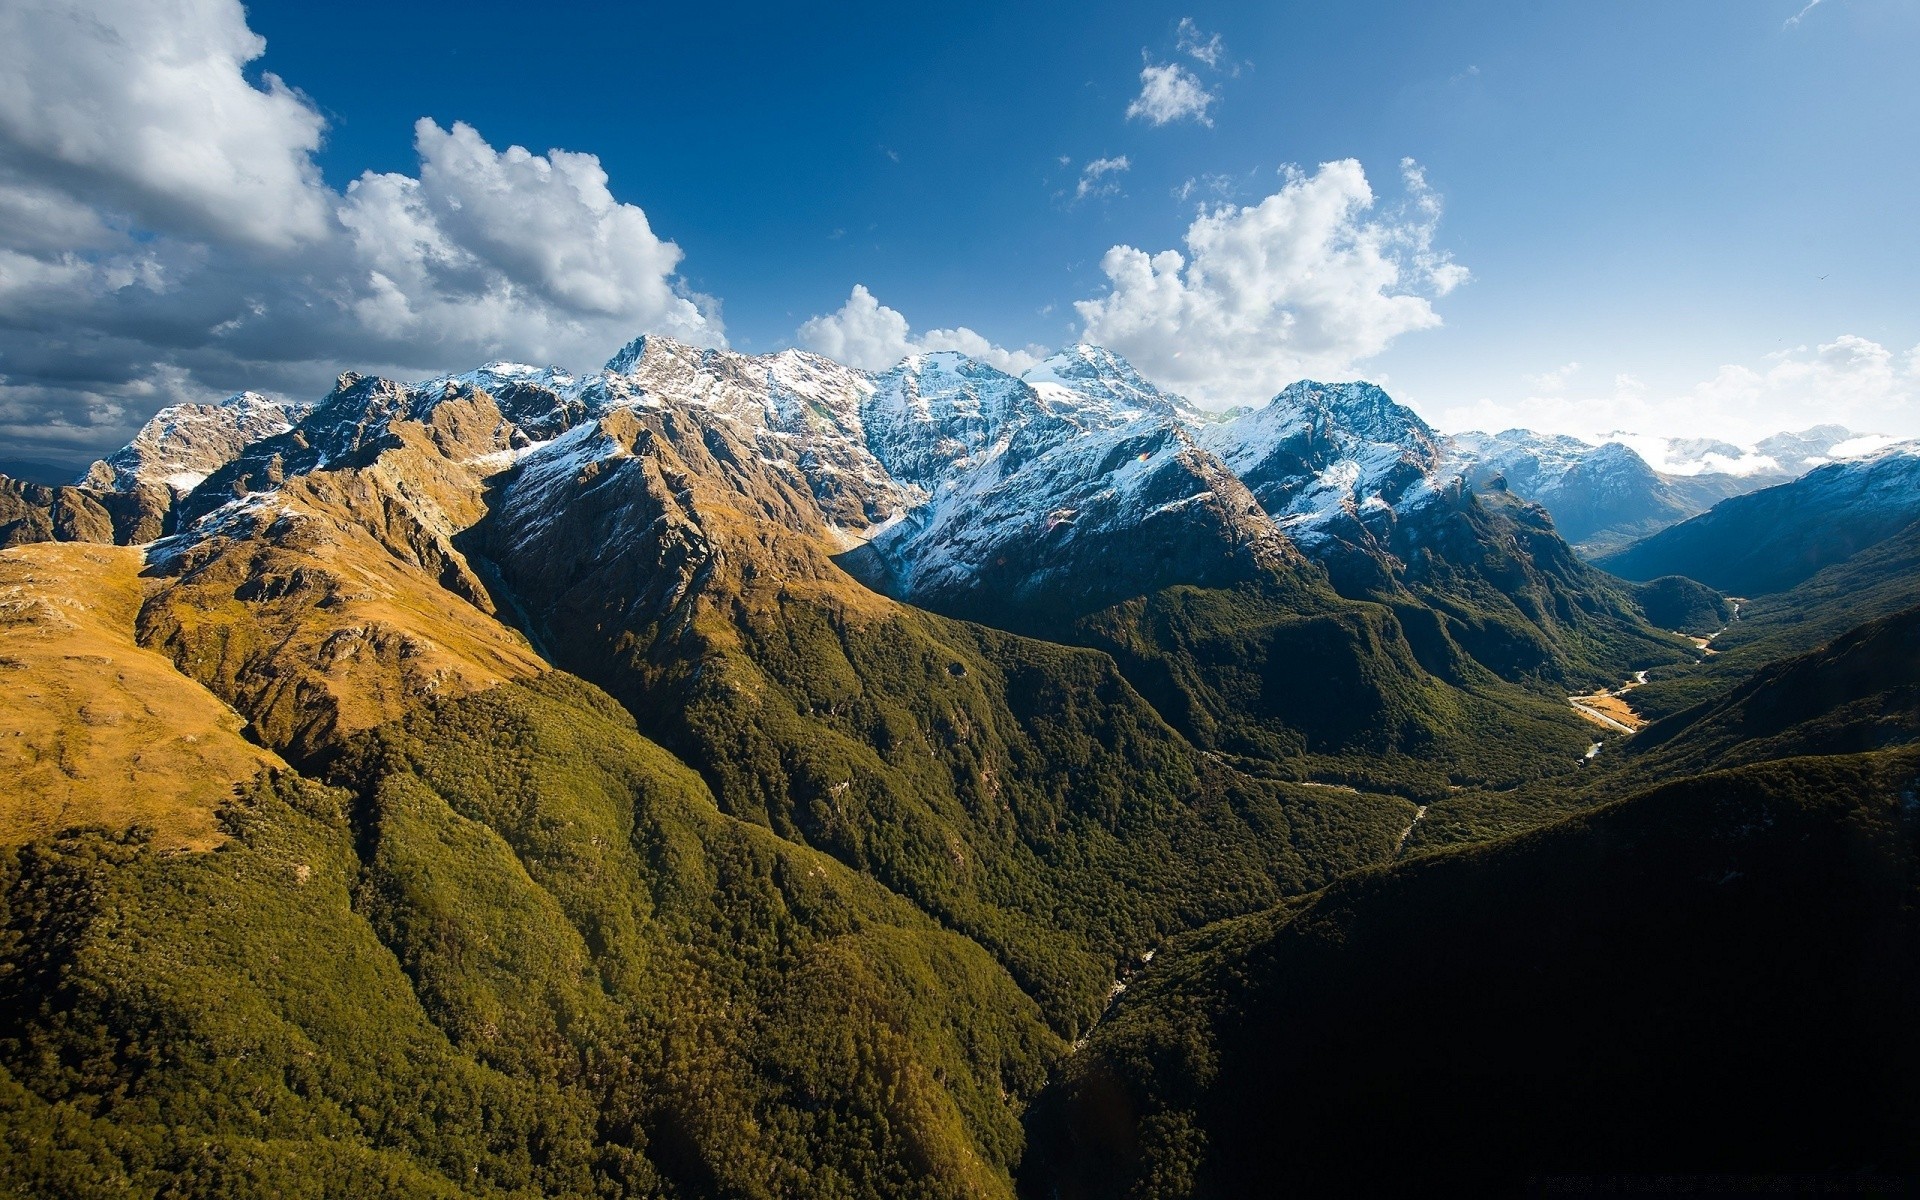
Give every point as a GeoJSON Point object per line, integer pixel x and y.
{"type": "Point", "coordinates": [1712, 976]}
{"type": "Point", "coordinates": [528, 956]}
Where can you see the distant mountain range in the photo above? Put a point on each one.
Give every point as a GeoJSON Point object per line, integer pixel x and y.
{"type": "Point", "coordinates": [1605, 496]}
{"type": "Point", "coordinates": [1770, 540]}
{"type": "Point", "coordinates": [1601, 496]}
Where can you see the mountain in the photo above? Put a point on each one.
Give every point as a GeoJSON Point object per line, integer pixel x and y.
{"type": "Point", "coordinates": [32, 512]}
{"type": "Point", "coordinates": [1610, 992]}
{"type": "Point", "coordinates": [184, 443]}
{"type": "Point", "coordinates": [1053, 490]}
{"type": "Point", "coordinates": [1774, 459]}
{"type": "Point", "coordinates": [506, 784]}
{"type": "Point", "coordinates": [1365, 487]}
{"type": "Point", "coordinates": [1605, 496]}
{"type": "Point", "coordinates": [1770, 540]}
{"type": "Point", "coordinates": [1085, 374]}
{"type": "Point", "coordinates": [1599, 495]}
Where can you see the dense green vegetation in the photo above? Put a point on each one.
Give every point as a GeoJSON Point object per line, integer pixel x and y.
{"type": "Point", "coordinates": [1344, 694]}
{"type": "Point", "coordinates": [1859, 693]}
{"type": "Point", "coordinates": [526, 955]}
{"type": "Point", "coordinates": [1021, 792]}
{"type": "Point", "coordinates": [1873, 583]}
{"type": "Point", "coordinates": [1716, 975]}
{"type": "Point", "coordinates": [815, 897]}
{"type": "Point", "coordinates": [1684, 605]}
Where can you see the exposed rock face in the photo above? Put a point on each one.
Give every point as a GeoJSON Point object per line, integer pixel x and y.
{"type": "Point", "coordinates": [1367, 489]}
{"type": "Point", "coordinates": [1331, 461]}
{"type": "Point", "coordinates": [1055, 498]}
{"type": "Point", "coordinates": [800, 413]}
{"type": "Point", "coordinates": [185, 443]}
{"type": "Point", "coordinates": [1600, 496]}
{"type": "Point", "coordinates": [32, 512]}
{"type": "Point", "coordinates": [1092, 375]}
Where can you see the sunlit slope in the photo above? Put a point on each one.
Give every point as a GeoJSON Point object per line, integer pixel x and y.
{"type": "Point", "coordinates": [1021, 791]}
{"type": "Point", "coordinates": [94, 728]}
{"type": "Point", "coordinates": [524, 954]}
{"type": "Point", "coordinates": [339, 601]}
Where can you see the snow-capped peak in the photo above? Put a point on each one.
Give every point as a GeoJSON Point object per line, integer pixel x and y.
{"type": "Point", "coordinates": [627, 357]}
{"type": "Point", "coordinates": [1082, 373]}
{"type": "Point", "coordinates": [495, 377]}
{"type": "Point", "coordinates": [184, 443]}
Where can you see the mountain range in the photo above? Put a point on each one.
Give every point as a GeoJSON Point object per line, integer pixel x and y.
{"type": "Point", "coordinates": [1605, 496]}
{"type": "Point", "coordinates": [750, 775]}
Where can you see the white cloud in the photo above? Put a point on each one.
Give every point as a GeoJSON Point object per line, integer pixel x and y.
{"type": "Point", "coordinates": [1796, 18]}
{"type": "Point", "coordinates": [145, 106]}
{"type": "Point", "coordinates": [1555, 381]}
{"type": "Point", "coordinates": [1304, 282]}
{"type": "Point", "coordinates": [1203, 47]}
{"type": "Point", "coordinates": [1096, 178]}
{"type": "Point", "coordinates": [1851, 381]}
{"type": "Point", "coordinates": [493, 247]}
{"type": "Point", "coordinates": [1170, 93]}
{"type": "Point", "coordinates": [165, 234]}
{"type": "Point", "coordinates": [866, 333]}
{"type": "Point", "coordinates": [1216, 184]}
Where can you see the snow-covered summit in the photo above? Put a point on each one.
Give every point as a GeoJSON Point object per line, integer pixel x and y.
{"type": "Point", "coordinates": [495, 377]}
{"type": "Point", "coordinates": [1082, 374]}
{"type": "Point", "coordinates": [1319, 450]}
{"type": "Point", "coordinates": [184, 443]}
{"type": "Point", "coordinates": [801, 409]}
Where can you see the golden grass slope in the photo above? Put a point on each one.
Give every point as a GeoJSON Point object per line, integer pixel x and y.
{"type": "Point", "coordinates": [93, 728]}
{"type": "Point", "coordinates": [339, 602]}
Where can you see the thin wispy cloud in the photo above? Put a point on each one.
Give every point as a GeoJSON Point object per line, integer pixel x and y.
{"type": "Point", "coordinates": [1851, 380]}
{"type": "Point", "coordinates": [1213, 185]}
{"type": "Point", "coordinates": [1554, 381]}
{"type": "Point", "coordinates": [1205, 47]}
{"type": "Point", "coordinates": [1796, 18]}
{"type": "Point", "coordinates": [1097, 178]}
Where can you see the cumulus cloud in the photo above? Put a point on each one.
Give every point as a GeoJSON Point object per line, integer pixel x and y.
{"type": "Point", "coordinates": [165, 235]}
{"type": "Point", "coordinates": [866, 333]}
{"type": "Point", "coordinates": [1097, 177]}
{"type": "Point", "coordinates": [1169, 92]}
{"type": "Point", "coordinates": [144, 106]}
{"type": "Point", "coordinates": [491, 247]}
{"type": "Point", "coordinates": [1851, 380]}
{"type": "Point", "coordinates": [1307, 281]}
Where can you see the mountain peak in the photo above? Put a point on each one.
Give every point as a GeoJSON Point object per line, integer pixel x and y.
{"type": "Point", "coordinates": [1096, 373]}
{"type": "Point", "coordinates": [631, 355]}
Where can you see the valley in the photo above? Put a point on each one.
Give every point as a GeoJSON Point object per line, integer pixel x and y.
{"type": "Point", "coordinates": [756, 776]}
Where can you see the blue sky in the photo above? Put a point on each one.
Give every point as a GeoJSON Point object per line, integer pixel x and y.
{"type": "Point", "coordinates": [1674, 218]}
